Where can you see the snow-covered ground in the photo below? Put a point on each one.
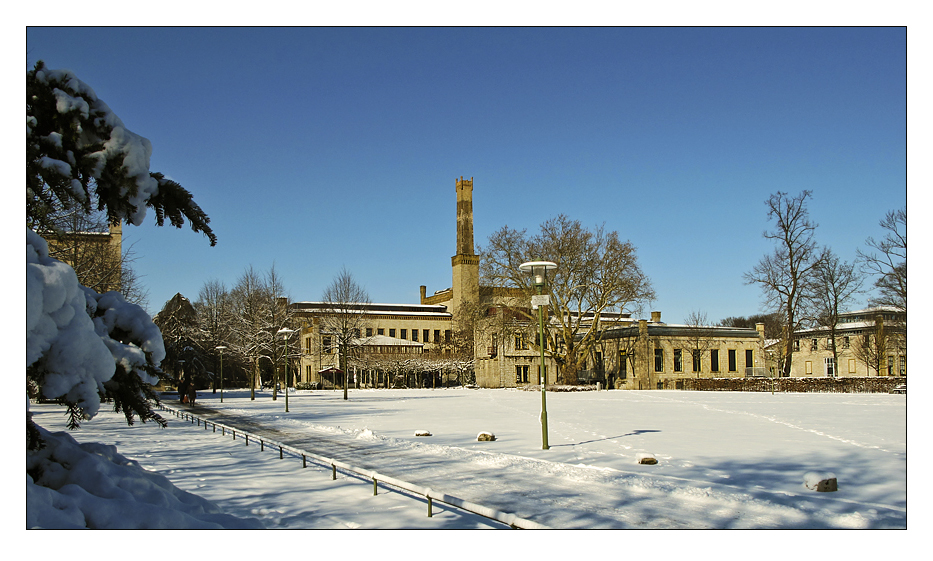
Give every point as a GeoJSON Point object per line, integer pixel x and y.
{"type": "Point", "coordinates": [725, 460]}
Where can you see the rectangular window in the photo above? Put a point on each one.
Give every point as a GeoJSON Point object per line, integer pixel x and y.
{"type": "Point", "coordinates": [381, 331]}
{"type": "Point", "coordinates": [659, 360]}
{"type": "Point", "coordinates": [521, 374]}
{"type": "Point", "coordinates": [851, 366]}
{"type": "Point", "coordinates": [813, 344]}
{"type": "Point", "coordinates": [623, 365]}
{"type": "Point", "coordinates": [749, 358]}
{"type": "Point", "coordinates": [403, 334]}
{"type": "Point", "coordinates": [732, 361]}
{"type": "Point", "coordinates": [520, 344]}
{"type": "Point", "coordinates": [437, 335]}
{"type": "Point", "coordinates": [325, 345]}
{"type": "Point", "coordinates": [796, 345]}
{"type": "Point", "coordinates": [414, 335]}
{"type": "Point", "coordinates": [308, 345]}
{"type": "Point", "coordinates": [830, 366]}
{"type": "Point", "coordinates": [696, 360]}
{"type": "Point", "coordinates": [714, 360]}
{"type": "Point", "coordinates": [808, 367]}
{"type": "Point", "coordinates": [447, 335]}
{"type": "Point", "coordinates": [391, 332]}
{"type": "Point", "coordinates": [845, 342]}
{"type": "Point", "coordinates": [369, 331]}
{"type": "Point", "coordinates": [425, 333]}
{"type": "Point", "coordinates": [890, 365]}
{"type": "Point", "coordinates": [678, 360]}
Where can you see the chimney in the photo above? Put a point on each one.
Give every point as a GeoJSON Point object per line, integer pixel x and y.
{"type": "Point", "coordinates": [424, 293]}
{"type": "Point", "coordinates": [760, 328]}
{"type": "Point", "coordinates": [655, 317]}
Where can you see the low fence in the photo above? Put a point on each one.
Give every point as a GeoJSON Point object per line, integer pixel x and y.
{"type": "Point", "coordinates": [377, 478]}
{"type": "Point", "coordinates": [871, 384]}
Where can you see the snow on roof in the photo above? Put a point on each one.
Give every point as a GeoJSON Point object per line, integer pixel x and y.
{"type": "Point", "coordinates": [377, 308]}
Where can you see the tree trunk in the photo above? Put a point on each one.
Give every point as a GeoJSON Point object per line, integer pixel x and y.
{"type": "Point", "coordinates": [569, 372]}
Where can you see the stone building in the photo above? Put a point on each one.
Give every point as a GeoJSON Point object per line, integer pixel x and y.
{"type": "Point", "coordinates": [386, 330]}
{"type": "Point", "coordinates": [813, 356]}
{"type": "Point", "coordinates": [632, 353]}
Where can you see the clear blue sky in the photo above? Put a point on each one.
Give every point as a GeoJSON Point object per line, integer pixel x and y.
{"type": "Point", "coordinates": [318, 148]}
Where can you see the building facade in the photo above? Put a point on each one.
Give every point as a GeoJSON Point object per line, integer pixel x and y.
{"type": "Point", "coordinates": [462, 327]}
{"type": "Point", "coordinates": [869, 342]}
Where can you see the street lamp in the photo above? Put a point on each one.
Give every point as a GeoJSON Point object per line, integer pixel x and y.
{"type": "Point", "coordinates": [538, 270]}
{"type": "Point", "coordinates": [285, 332]}
{"type": "Point", "coordinates": [221, 348]}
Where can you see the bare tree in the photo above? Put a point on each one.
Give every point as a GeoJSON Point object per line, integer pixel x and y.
{"type": "Point", "coordinates": [249, 330]}
{"type": "Point", "coordinates": [772, 321]}
{"type": "Point", "coordinates": [596, 273]}
{"type": "Point", "coordinates": [344, 317]}
{"type": "Point", "coordinates": [82, 241]}
{"type": "Point", "coordinates": [832, 286]}
{"type": "Point", "coordinates": [699, 338]}
{"type": "Point", "coordinates": [279, 316]}
{"type": "Point", "coordinates": [782, 274]}
{"type": "Point", "coordinates": [871, 348]}
{"type": "Point", "coordinates": [215, 313]}
{"type": "Point", "coordinates": [889, 260]}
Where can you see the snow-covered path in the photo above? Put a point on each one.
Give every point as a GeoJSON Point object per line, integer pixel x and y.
{"type": "Point", "coordinates": [733, 460]}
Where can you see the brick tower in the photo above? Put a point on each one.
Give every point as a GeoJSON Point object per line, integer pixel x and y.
{"type": "Point", "coordinates": [465, 263]}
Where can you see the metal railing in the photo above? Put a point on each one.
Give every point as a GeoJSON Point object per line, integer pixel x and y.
{"type": "Point", "coordinates": [429, 494]}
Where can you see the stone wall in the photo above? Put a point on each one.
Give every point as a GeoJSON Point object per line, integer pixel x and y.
{"type": "Point", "coordinates": [873, 384]}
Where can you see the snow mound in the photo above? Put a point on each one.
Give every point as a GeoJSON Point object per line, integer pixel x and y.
{"type": "Point", "coordinates": [423, 432]}
{"type": "Point", "coordinates": [367, 434]}
{"type": "Point", "coordinates": [71, 486]}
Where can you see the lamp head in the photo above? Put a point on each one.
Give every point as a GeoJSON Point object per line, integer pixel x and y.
{"type": "Point", "coordinates": [538, 270]}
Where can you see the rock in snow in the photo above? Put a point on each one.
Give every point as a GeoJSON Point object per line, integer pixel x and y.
{"type": "Point", "coordinates": [820, 481]}
{"type": "Point", "coordinates": [645, 458]}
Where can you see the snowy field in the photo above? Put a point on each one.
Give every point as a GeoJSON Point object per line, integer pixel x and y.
{"type": "Point", "coordinates": [725, 460]}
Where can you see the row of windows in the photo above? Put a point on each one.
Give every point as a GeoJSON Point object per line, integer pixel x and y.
{"type": "Point", "coordinates": [697, 359]}
{"type": "Point", "coordinates": [327, 344]}
{"type": "Point", "coordinates": [814, 344]}
{"type": "Point", "coordinates": [403, 334]}
{"type": "Point", "coordinates": [521, 344]}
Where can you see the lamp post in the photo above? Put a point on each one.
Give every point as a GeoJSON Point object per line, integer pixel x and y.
{"type": "Point", "coordinates": [538, 270]}
{"type": "Point", "coordinates": [285, 332]}
{"type": "Point", "coordinates": [221, 348]}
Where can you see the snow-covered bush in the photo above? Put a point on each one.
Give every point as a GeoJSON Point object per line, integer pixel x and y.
{"type": "Point", "coordinates": [82, 346]}
{"type": "Point", "coordinates": [71, 485]}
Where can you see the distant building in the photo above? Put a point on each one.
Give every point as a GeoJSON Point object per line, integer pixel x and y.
{"type": "Point", "coordinates": [813, 355]}
{"type": "Point", "coordinates": [631, 354]}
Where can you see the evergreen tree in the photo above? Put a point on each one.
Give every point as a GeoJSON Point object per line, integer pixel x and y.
{"type": "Point", "coordinates": [82, 347]}
{"type": "Point", "coordinates": [78, 151]}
